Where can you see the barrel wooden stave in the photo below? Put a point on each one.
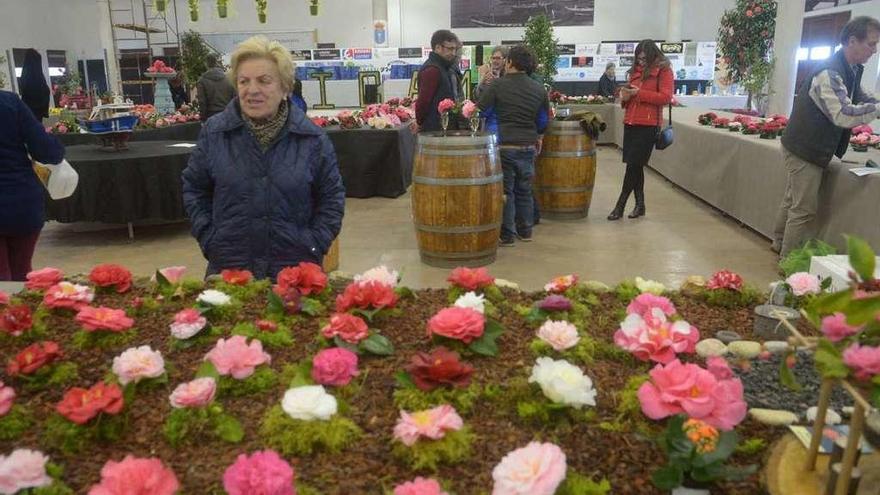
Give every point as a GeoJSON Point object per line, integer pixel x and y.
{"type": "Point", "coordinates": [566, 172]}
{"type": "Point", "coordinates": [331, 259]}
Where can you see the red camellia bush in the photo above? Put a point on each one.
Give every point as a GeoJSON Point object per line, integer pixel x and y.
{"type": "Point", "coordinates": [81, 405]}
{"type": "Point", "coordinates": [470, 279]}
{"type": "Point", "coordinates": [725, 279]}
{"type": "Point", "coordinates": [437, 368]}
{"type": "Point", "coordinates": [34, 357]}
{"type": "Point", "coordinates": [109, 275]}
{"type": "Point", "coordinates": [363, 295]}
{"type": "Point", "coordinates": [308, 278]}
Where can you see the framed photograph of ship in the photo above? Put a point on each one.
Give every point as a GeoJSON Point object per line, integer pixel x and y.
{"type": "Point", "coordinates": [515, 13]}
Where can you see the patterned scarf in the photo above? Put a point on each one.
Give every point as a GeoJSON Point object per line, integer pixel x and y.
{"type": "Point", "coordinates": [267, 130]}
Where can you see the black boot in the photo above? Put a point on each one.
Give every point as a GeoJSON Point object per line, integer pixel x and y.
{"type": "Point", "coordinates": [617, 212]}
{"type": "Point", "coordinates": [639, 210]}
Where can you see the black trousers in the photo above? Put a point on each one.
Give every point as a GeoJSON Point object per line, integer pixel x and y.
{"type": "Point", "coordinates": [638, 143]}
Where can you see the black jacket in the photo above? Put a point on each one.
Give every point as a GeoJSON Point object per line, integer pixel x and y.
{"type": "Point", "coordinates": [214, 93]}
{"type": "Point", "coordinates": [446, 88]}
{"type": "Point", "coordinates": [606, 86]}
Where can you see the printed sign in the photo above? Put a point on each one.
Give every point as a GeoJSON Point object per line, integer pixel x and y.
{"type": "Point", "coordinates": [565, 49]}
{"type": "Point", "coordinates": [300, 55]}
{"type": "Point", "coordinates": [325, 54]}
{"type": "Point", "coordinates": [409, 52]}
{"type": "Point", "coordinates": [358, 53]}
{"type": "Point", "coordinates": [672, 47]}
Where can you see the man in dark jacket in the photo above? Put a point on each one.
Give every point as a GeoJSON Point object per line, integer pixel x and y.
{"type": "Point", "coordinates": [214, 90]}
{"type": "Point", "coordinates": [437, 80]}
{"type": "Point", "coordinates": [829, 103]}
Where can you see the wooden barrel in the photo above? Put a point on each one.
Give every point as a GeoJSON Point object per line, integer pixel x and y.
{"type": "Point", "coordinates": [457, 199]}
{"type": "Point", "coordinates": [566, 171]}
{"type": "Point", "coordinates": [331, 259]}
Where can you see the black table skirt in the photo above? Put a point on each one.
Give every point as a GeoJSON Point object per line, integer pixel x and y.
{"type": "Point", "coordinates": [177, 132]}
{"type": "Point", "coordinates": [374, 162]}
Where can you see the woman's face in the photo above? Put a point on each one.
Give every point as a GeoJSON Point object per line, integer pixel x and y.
{"type": "Point", "coordinates": [260, 92]}
{"type": "Point", "coordinates": [640, 58]}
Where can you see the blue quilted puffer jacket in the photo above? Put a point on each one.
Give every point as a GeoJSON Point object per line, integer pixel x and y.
{"type": "Point", "coordinates": [263, 211]}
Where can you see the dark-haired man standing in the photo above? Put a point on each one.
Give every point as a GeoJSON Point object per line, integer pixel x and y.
{"type": "Point", "coordinates": [437, 80]}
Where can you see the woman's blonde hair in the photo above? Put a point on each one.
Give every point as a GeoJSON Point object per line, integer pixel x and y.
{"type": "Point", "coordinates": [261, 47]}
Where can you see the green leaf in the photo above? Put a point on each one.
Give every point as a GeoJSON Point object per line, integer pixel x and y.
{"type": "Point", "coordinates": [228, 428]}
{"type": "Point", "coordinates": [207, 369]}
{"type": "Point", "coordinates": [311, 307]}
{"type": "Point", "coordinates": [377, 344]}
{"type": "Point", "coordinates": [366, 313]}
{"type": "Point", "coordinates": [786, 376]}
{"type": "Point", "coordinates": [276, 304]}
{"type": "Point", "coordinates": [162, 281]}
{"type": "Point", "coordinates": [405, 293]}
{"type": "Point", "coordinates": [862, 311]}
{"type": "Point", "coordinates": [829, 360]}
{"type": "Point", "coordinates": [827, 304]}
{"type": "Point", "coordinates": [346, 345]}
{"type": "Point", "coordinates": [493, 329]}
{"type": "Point", "coordinates": [484, 346]}
{"type": "Point", "coordinates": [668, 477]}
{"type": "Point", "coordinates": [861, 257]}
{"type": "Point", "coordinates": [726, 445]}
{"type": "Point", "coordinates": [404, 380]}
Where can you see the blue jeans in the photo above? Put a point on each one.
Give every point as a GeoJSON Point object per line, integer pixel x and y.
{"type": "Point", "coordinates": [518, 166]}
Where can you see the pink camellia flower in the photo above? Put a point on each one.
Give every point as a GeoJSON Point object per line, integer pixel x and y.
{"type": "Point", "coordinates": [803, 283]}
{"type": "Point", "coordinates": [102, 318]}
{"type": "Point", "coordinates": [725, 279]}
{"type": "Point", "coordinates": [68, 295]}
{"type": "Point", "coordinates": [655, 338]}
{"type": "Point", "coordinates": [335, 366]}
{"type": "Point", "coordinates": [719, 367]}
{"type": "Point", "coordinates": [234, 356]}
{"type": "Point", "coordinates": [863, 360]}
{"type": "Point", "coordinates": [173, 274]}
{"type": "Point", "coordinates": [7, 398]}
{"type": "Point", "coordinates": [464, 324]}
{"type": "Point", "coordinates": [4, 298]}
{"type": "Point", "coordinates": [836, 328]}
{"type": "Point", "coordinates": [561, 335]}
{"type": "Point", "coordinates": [561, 284]}
{"type": "Point", "coordinates": [686, 388]}
{"type": "Point", "coordinates": [349, 328]}
{"type": "Point", "coordinates": [445, 105]}
{"type": "Point", "coordinates": [555, 302]}
{"type": "Point", "coordinates": [138, 363]}
{"type": "Point", "coordinates": [468, 109]}
{"type": "Point", "coordinates": [263, 472]}
{"type": "Point", "coordinates": [134, 476]}
{"type": "Point", "coordinates": [188, 323]}
{"type": "Point", "coordinates": [420, 486]}
{"type": "Point", "coordinates": [23, 469]}
{"type": "Point", "coordinates": [430, 423]}
{"type": "Point", "coordinates": [536, 469]}
{"type": "Point", "coordinates": [43, 278]}
{"type": "Point", "coordinates": [470, 278]}
{"type": "Point", "coordinates": [196, 393]}
{"type": "Point", "coordinates": [645, 302]}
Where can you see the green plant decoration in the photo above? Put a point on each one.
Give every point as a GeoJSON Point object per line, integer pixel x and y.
{"type": "Point", "coordinates": [193, 10]}
{"type": "Point", "coordinates": [745, 38]}
{"type": "Point", "coordinates": [262, 5]}
{"type": "Point", "coordinates": [313, 7]}
{"type": "Point", "coordinates": [296, 437]}
{"type": "Point", "coordinates": [160, 6]}
{"type": "Point", "coordinates": [453, 448]}
{"type": "Point", "coordinates": [193, 57]}
{"type": "Point", "coordinates": [539, 37]}
{"type": "Point", "coordinates": [222, 8]}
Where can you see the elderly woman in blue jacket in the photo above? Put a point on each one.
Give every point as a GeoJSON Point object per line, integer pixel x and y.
{"type": "Point", "coordinates": [262, 188]}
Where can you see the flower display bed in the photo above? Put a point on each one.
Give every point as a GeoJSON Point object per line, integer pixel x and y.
{"type": "Point", "coordinates": [611, 441]}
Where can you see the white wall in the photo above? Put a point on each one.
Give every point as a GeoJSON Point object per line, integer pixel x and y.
{"type": "Point", "coordinates": [69, 25]}
{"type": "Point", "coordinates": [702, 18]}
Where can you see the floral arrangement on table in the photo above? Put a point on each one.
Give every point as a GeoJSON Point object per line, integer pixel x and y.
{"type": "Point", "coordinates": [720, 122]}
{"type": "Point", "coordinates": [159, 67]}
{"type": "Point", "coordinates": [735, 126]}
{"type": "Point", "coordinates": [66, 124]}
{"type": "Point", "coordinates": [707, 118]}
{"type": "Point", "coordinates": [148, 118]}
{"type": "Point", "coordinates": [770, 129]}
{"type": "Point", "coordinates": [389, 115]}
{"type": "Point", "coordinates": [863, 137]}
{"type": "Point", "coordinates": [562, 99]}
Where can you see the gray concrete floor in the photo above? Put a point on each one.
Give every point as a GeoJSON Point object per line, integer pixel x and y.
{"type": "Point", "coordinates": [680, 236]}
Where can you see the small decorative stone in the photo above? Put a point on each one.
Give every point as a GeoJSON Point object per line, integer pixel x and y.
{"type": "Point", "coordinates": [831, 416]}
{"type": "Point", "coordinates": [727, 336]}
{"type": "Point", "coordinates": [710, 347]}
{"type": "Point", "coordinates": [848, 411]}
{"type": "Point", "coordinates": [776, 346]}
{"type": "Point", "coordinates": [746, 349]}
{"type": "Point", "coordinates": [500, 282]}
{"type": "Point", "coordinates": [773, 417]}
{"type": "Point", "coordinates": [595, 286]}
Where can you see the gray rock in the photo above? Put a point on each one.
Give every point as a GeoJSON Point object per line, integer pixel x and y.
{"type": "Point", "coordinates": [727, 336]}
{"type": "Point", "coordinates": [831, 416]}
{"type": "Point", "coordinates": [773, 417]}
{"type": "Point", "coordinates": [746, 349]}
{"type": "Point", "coordinates": [776, 346]}
{"type": "Point", "coordinates": [711, 347]}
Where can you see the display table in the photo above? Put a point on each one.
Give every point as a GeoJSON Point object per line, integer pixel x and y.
{"type": "Point", "coordinates": [177, 132]}
{"type": "Point", "coordinates": [374, 162]}
{"type": "Point", "coordinates": [718, 102]}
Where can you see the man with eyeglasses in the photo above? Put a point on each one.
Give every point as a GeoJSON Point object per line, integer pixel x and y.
{"type": "Point", "coordinates": [493, 70]}
{"type": "Point", "coordinates": [437, 80]}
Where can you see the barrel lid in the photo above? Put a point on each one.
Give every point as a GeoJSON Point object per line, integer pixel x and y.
{"type": "Point", "coordinates": [456, 138]}
{"type": "Point", "coordinates": [566, 124]}
{"type": "Point", "coordinates": [777, 312]}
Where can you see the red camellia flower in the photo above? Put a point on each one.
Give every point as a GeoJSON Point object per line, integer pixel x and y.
{"type": "Point", "coordinates": [464, 324]}
{"type": "Point", "coordinates": [15, 320]}
{"type": "Point", "coordinates": [725, 279]}
{"type": "Point", "coordinates": [237, 277]}
{"type": "Point", "coordinates": [365, 295]}
{"type": "Point", "coordinates": [109, 275]}
{"type": "Point", "coordinates": [749, 13]}
{"type": "Point", "coordinates": [439, 367]}
{"type": "Point", "coordinates": [34, 357]}
{"type": "Point", "coordinates": [103, 318]}
{"type": "Point", "coordinates": [267, 325]}
{"type": "Point", "coordinates": [349, 328]}
{"type": "Point", "coordinates": [43, 278]}
{"type": "Point", "coordinates": [470, 279]}
{"type": "Point", "coordinates": [80, 405]}
{"type": "Point", "coordinates": [308, 278]}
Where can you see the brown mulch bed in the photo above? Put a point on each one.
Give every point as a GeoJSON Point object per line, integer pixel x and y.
{"type": "Point", "coordinates": [626, 459]}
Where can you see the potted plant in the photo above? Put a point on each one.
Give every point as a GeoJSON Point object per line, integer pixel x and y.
{"type": "Point", "coordinates": [222, 8]}
{"type": "Point", "coordinates": [193, 10]}
{"type": "Point", "coordinates": [696, 452]}
{"type": "Point", "coordinates": [161, 6]}
{"type": "Point", "coordinates": [262, 5]}
{"type": "Point", "coordinates": [313, 7]}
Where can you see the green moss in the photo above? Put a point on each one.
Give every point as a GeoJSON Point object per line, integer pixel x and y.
{"type": "Point", "coordinates": [462, 399]}
{"type": "Point", "coordinates": [52, 376]}
{"type": "Point", "coordinates": [14, 423]}
{"type": "Point", "coordinates": [304, 489]}
{"type": "Point", "coordinates": [279, 338]}
{"type": "Point", "coordinates": [71, 438]}
{"type": "Point", "coordinates": [263, 379]}
{"type": "Point", "coordinates": [296, 437]}
{"type": "Point", "coordinates": [224, 313]}
{"type": "Point", "coordinates": [578, 484]}
{"type": "Point", "coordinates": [584, 352]}
{"type": "Point", "coordinates": [56, 488]}
{"type": "Point", "coordinates": [244, 293]}
{"type": "Point", "coordinates": [751, 446]}
{"type": "Point", "coordinates": [609, 351]}
{"type": "Point", "coordinates": [628, 405]}
{"type": "Point", "coordinates": [626, 291]}
{"type": "Point", "coordinates": [102, 339]}
{"type": "Point", "coordinates": [191, 286]}
{"type": "Point", "coordinates": [453, 448]}
{"type": "Point", "coordinates": [727, 298]}
{"type": "Point", "coordinates": [193, 423]}
{"type": "Point", "coordinates": [297, 375]}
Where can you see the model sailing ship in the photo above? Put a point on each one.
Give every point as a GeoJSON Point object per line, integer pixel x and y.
{"type": "Point", "coordinates": [112, 123]}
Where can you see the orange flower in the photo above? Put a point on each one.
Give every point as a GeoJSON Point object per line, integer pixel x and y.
{"type": "Point", "coordinates": [703, 435]}
{"type": "Point", "coordinates": [109, 275]}
{"type": "Point", "coordinates": [237, 277]}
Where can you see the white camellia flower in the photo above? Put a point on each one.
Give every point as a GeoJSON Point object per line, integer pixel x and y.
{"type": "Point", "coordinates": [561, 335]}
{"type": "Point", "coordinates": [380, 274]}
{"type": "Point", "coordinates": [308, 403]}
{"type": "Point", "coordinates": [473, 301]}
{"type": "Point", "coordinates": [650, 286]}
{"type": "Point", "coordinates": [563, 382]}
{"type": "Point", "coordinates": [214, 298]}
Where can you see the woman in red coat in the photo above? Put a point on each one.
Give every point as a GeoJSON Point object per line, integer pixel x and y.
{"type": "Point", "coordinates": [648, 92]}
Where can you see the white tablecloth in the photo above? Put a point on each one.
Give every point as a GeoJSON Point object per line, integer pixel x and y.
{"type": "Point", "coordinates": [712, 102]}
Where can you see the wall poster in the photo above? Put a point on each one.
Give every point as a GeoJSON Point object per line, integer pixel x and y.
{"type": "Point", "coordinates": [515, 13]}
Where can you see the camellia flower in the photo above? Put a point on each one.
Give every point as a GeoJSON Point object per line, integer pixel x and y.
{"type": "Point", "coordinates": [719, 367]}
{"type": "Point", "coordinates": [43, 278]}
{"type": "Point", "coordinates": [235, 357]}
{"type": "Point", "coordinates": [308, 278]}
{"type": "Point", "coordinates": [196, 393]}
{"type": "Point", "coordinates": [430, 423]}
{"type": "Point", "coordinates": [863, 360]}
{"type": "Point", "coordinates": [81, 405]}
{"type": "Point", "coordinates": [7, 398]}
{"type": "Point", "coordinates": [113, 320]}
{"type": "Point", "coordinates": [555, 302]}
{"type": "Point", "coordinates": [803, 283]}
{"type": "Point", "coordinates": [561, 335]}
{"type": "Point", "coordinates": [563, 382]}
{"type": "Point", "coordinates": [464, 324]}
{"type": "Point", "coordinates": [34, 357]}
{"type": "Point", "coordinates": [470, 278]}
{"type": "Point", "coordinates": [835, 327]}
{"type": "Point", "coordinates": [263, 472]}
{"type": "Point", "coordinates": [649, 286]}
{"type": "Point", "coordinates": [236, 277]}
{"type": "Point", "coordinates": [420, 486]}
{"type": "Point", "coordinates": [110, 275]}
{"type": "Point", "coordinates": [308, 403]}
{"type": "Point", "coordinates": [4, 298]}
{"type": "Point", "coordinates": [725, 279]}
{"type": "Point", "coordinates": [468, 109]}
{"type": "Point", "coordinates": [173, 274]}
{"type": "Point", "coordinates": [335, 366]}
{"type": "Point", "coordinates": [439, 367]}
{"type": "Point", "coordinates": [364, 295]}
{"type": "Point", "coordinates": [644, 303]}
{"type": "Point", "coordinates": [381, 274]}
{"type": "Point", "coordinates": [349, 328]}
{"type": "Point", "coordinates": [136, 476]}
{"type": "Point", "coordinates": [445, 105]}
{"type": "Point", "coordinates": [536, 469]}
{"type": "Point", "coordinates": [138, 363]}
{"type": "Point", "coordinates": [561, 284]}
{"type": "Point", "coordinates": [473, 301]}
{"type": "Point", "coordinates": [23, 469]}
{"type": "Point", "coordinates": [187, 323]}
{"type": "Point", "coordinates": [68, 295]}
{"type": "Point", "coordinates": [678, 388]}
{"type": "Point", "coordinates": [655, 338]}
{"type": "Point", "coordinates": [213, 297]}
{"type": "Point", "coordinates": [15, 320]}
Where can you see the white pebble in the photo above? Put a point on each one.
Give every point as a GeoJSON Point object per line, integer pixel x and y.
{"type": "Point", "coordinates": [773, 417]}
{"type": "Point", "coordinates": [831, 416]}
{"type": "Point", "coordinates": [746, 349]}
{"type": "Point", "coordinates": [711, 347]}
